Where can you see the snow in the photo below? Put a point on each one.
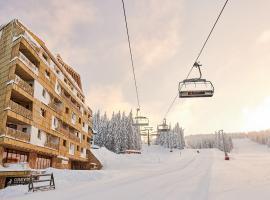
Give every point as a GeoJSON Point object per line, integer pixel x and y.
{"type": "Point", "coordinates": [159, 174]}
{"type": "Point", "coordinates": [22, 166]}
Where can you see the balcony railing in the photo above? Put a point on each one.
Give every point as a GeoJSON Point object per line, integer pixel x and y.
{"type": "Point", "coordinates": [20, 110]}
{"type": "Point", "coordinates": [74, 137]}
{"type": "Point", "coordinates": [52, 145]}
{"type": "Point", "coordinates": [56, 107]}
{"type": "Point", "coordinates": [18, 134]}
{"type": "Point", "coordinates": [24, 85]}
{"type": "Point", "coordinates": [28, 63]}
{"type": "Point", "coordinates": [29, 39]}
{"type": "Point", "coordinates": [68, 133]}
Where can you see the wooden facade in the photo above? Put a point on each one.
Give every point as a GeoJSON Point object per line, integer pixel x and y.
{"type": "Point", "coordinates": [44, 118]}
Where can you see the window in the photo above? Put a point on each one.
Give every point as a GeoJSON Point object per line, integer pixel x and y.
{"type": "Point", "coordinates": [81, 150]}
{"type": "Point", "coordinates": [24, 130]}
{"type": "Point", "coordinates": [39, 134]}
{"type": "Point", "coordinates": [47, 74]}
{"type": "Point", "coordinates": [83, 124]}
{"type": "Point", "coordinates": [14, 156]}
{"type": "Point", "coordinates": [55, 122]}
{"type": "Point", "coordinates": [83, 137]}
{"type": "Point", "coordinates": [67, 110]}
{"type": "Point", "coordinates": [64, 143]}
{"type": "Point", "coordinates": [14, 126]}
{"type": "Point", "coordinates": [44, 93]}
{"type": "Point", "coordinates": [45, 57]}
{"type": "Point", "coordinates": [80, 120]}
{"type": "Point", "coordinates": [43, 162]}
{"type": "Point", "coordinates": [58, 87]}
{"type": "Point", "coordinates": [73, 117]}
{"type": "Point", "coordinates": [78, 148]}
{"type": "Point", "coordinates": [42, 112]}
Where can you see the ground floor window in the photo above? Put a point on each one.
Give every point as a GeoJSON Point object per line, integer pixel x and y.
{"type": "Point", "coordinates": [14, 156]}
{"type": "Point", "coordinates": [43, 162]}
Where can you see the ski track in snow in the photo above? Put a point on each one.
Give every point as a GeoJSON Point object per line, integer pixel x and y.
{"type": "Point", "coordinates": [160, 175]}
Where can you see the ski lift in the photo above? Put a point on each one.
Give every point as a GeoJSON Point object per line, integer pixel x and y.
{"type": "Point", "coordinates": [164, 127]}
{"type": "Point", "coordinates": [196, 87]}
{"type": "Point", "coordinates": [140, 120]}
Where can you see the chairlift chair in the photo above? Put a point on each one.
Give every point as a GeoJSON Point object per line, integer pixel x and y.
{"type": "Point", "coordinates": [140, 120]}
{"type": "Point", "coordinates": [196, 87]}
{"type": "Point", "coordinates": [164, 127]}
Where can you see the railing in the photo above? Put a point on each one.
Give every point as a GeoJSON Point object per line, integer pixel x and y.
{"type": "Point", "coordinates": [29, 38]}
{"type": "Point", "coordinates": [52, 145]}
{"type": "Point", "coordinates": [68, 134]}
{"type": "Point", "coordinates": [57, 108]}
{"type": "Point", "coordinates": [28, 63]}
{"type": "Point", "coordinates": [20, 110]}
{"type": "Point", "coordinates": [74, 137]}
{"type": "Point", "coordinates": [18, 134]}
{"type": "Point", "coordinates": [24, 85]}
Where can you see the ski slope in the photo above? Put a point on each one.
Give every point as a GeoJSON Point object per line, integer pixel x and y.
{"type": "Point", "coordinates": [160, 174]}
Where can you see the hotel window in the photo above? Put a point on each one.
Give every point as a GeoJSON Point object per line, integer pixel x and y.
{"type": "Point", "coordinates": [42, 112]}
{"type": "Point", "coordinates": [47, 74]}
{"type": "Point", "coordinates": [44, 93]}
{"type": "Point", "coordinates": [80, 120]}
{"type": "Point", "coordinates": [67, 110]}
{"type": "Point", "coordinates": [83, 137]}
{"type": "Point", "coordinates": [46, 58]}
{"type": "Point", "coordinates": [43, 162]}
{"type": "Point", "coordinates": [14, 156]}
{"type": "Point", "coordinates": [24, 130]}
{"type": "Point", "coordinates": [39, 134]}
{"type": "Point", "coordinates": [78, 148]}
{"type": "Point", "coordinates": [55, 122]}
{"type": "Point", "coordinates": [64, 143]}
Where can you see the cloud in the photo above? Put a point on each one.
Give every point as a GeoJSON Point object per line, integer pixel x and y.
{"type": "Point", "coordinates": [108, 99]}
{"type": "Point", "coordinates": [264, 37]}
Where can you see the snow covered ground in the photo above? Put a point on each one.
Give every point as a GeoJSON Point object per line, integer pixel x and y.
{"type": "Point", "coordinates": [159, 174]}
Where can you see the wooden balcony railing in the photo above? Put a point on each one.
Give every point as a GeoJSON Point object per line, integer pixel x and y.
{"type": "Point", "coordinates": [52, 145]}
{"type": "Point", "coordinates": [68, 133]}
{"type": "Point", "coordinates": [57, 108]}
{"type": "Point", "coordinates": [18, 134]}
{"type": "Point", "coordinates": [24, 85]}
{"type": "Point", "coordinates": [20, 110]}
{"type": "Point", "coordinates": [28, 63]}
{"type": "Point", "coordinates": [74, 137]}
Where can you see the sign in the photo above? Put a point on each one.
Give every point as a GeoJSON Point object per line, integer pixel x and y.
{"type": "Point", "coordinates": [16, 181]}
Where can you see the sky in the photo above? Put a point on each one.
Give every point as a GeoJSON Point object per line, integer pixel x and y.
{"type": "Point", "coordinates": [166, 37]}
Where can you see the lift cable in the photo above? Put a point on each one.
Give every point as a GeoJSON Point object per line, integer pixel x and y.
{"type": "Point", "coordinates": [131, 57]}
{"type": "Point", "coordinates": [198, 56]}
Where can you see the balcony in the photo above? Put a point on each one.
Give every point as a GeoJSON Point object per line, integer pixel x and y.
{"type": "Point", "coordinates": [24, 85]}
{"type": "Point", "coordinates": [65, 130]}
{"type": "Point", "coordinates": [17, 108]}
{"type": "Point", "coordinates": [74, 137]}
{"type": "Point", "coordinates": [18, 134]}
{"type": "Point", "coordinates": [56, 106]}
{"type": "Point", "coordinates": [28, 63]}
{"type": "Point", "coordinates": [51, 145]}
{"type": "Point", "coordinates": [29, 39]}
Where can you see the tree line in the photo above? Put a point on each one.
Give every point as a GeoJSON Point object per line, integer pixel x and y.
{"type": "Point", "coordinates": [173, 139]}
{"type": "Point", "coordinates": [117, 133]}
{"type": "Point", "coordinates": [202, 141]}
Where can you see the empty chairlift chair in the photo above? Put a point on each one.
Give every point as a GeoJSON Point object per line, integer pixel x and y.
{"type": "Point", "coordinates": [196, 87]}
{"type": "Point", "coordinates": [140, 120]}
{"type": "Point", "coordinates": [164, 127]}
